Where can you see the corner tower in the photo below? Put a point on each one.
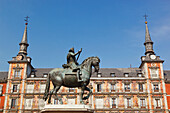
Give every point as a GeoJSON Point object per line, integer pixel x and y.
{"type": "Point", "coordinates": [152, 69]}
{"type": "Point", "coordinates": [19, 69]}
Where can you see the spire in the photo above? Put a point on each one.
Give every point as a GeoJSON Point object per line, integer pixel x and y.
{"type": "Point", "coordinates": [24, 44]}
{"type": "Point", "coordinates": [148, 42]}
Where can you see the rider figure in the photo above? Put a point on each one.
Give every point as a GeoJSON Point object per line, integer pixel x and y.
{"type": "Point", "coordinates": [72, 62]}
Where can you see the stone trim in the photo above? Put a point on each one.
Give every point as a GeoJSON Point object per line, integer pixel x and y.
{"type": "Point", "coordinates": [42, 82]}
{"type": "Point", "coordinates": [128, 96]}
{"type": "Point", "coordinates": [28, 96]}
{"type": "Point", "coordinates": [154, 96]}
{"type": "Point", "coordinates": [73, 97]}
{"type": "Point", "coordinates": [127, 82]}
{"type": "Point", "coordinates": [16, 82]}
{"type": "Point", "coordinates": [99, 96]}
{"type": "Point", "coordinates": [99, 82]}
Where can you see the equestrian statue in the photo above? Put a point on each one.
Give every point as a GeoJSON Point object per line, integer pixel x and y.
{"type": "Point", "coordinates": [72, 75]}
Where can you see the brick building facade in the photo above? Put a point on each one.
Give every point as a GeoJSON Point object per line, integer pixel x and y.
{"type": "Point", "coordinates": [115, 90]}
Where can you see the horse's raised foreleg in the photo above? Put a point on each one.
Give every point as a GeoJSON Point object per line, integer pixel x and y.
{"type": "Point", "coordinates": [90, 92]}
{"type": "Point", "coordinates": [55, 92]}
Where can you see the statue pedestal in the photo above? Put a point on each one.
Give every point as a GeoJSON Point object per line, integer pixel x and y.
{"type": "Point", "coordinates": [66, 109]}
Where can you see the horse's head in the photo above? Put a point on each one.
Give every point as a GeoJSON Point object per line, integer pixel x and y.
{"type": "Point", "coordinates": [95, 63]}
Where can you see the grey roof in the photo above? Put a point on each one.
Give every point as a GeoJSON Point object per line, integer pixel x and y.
{"type": "Point", "coordinates": [3, 76]}
{"type": "Point", "coordinates": [119, 72]}
{"type": "Point", "coordinates": [39, 72]}
{"type": "Point", "coordinates": [167, 75]}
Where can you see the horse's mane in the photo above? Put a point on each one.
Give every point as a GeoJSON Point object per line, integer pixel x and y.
{"type": "Point", "coordinates": [89, 58]}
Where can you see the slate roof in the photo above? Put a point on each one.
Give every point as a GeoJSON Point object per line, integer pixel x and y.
{"type": "Point", "coordinates": [119, 72]}
{"type": "Point", "coordinates": [167, 75]}
{"type": "Point", "coordinates": [3, 76]}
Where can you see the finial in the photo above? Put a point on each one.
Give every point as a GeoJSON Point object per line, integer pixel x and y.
{"type": "Point", "coordinates": [26, 20]}
{"type": "Point", "coordinates": [145, 18]}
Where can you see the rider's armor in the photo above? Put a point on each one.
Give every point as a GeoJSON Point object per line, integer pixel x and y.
{"type": "Point", "coordinates": [72, 63]}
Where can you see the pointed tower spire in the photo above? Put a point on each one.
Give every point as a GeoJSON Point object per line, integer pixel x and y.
{"type": "Point", "coordinates": [24, 44]}
{"type": "Point", "coordinates": [148, 42]}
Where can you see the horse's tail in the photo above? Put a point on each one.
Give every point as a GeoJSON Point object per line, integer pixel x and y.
{"type": "Point", "coordinates": [47, 88]}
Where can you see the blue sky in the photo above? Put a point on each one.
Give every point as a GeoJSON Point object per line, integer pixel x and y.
{"type": "Point", "coordinates": [114, 30]}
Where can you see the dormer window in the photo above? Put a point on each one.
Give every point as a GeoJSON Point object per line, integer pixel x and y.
{"type": "Point", "coordinates": [112, 74]}
{"type": "Point", "coordinates": [32, 75]}
{"type": "Point", "coordinates": [99, 75]}
{"type": "Point", "coordinates": [45, 75]}
{"type": "Point", "coordinates": [126, 74]}
{"type": "Point", "coordinates": [139, 74]}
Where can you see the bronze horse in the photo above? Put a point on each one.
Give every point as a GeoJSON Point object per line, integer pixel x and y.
{"type": "Point", "coordinates": [65, 77]}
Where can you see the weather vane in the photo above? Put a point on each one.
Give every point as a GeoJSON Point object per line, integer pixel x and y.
{"type": "Point", "coordinates": [145, 17]}
{"type": "Point", "coordinates": [26, 20]}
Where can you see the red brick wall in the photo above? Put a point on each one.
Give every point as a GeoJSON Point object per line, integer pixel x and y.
{"type": "Point", "coordinates": [2, 97]}
{"type": "Point", "coordinates": [168, 93]}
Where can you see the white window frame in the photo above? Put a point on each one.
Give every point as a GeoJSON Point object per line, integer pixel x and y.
{"type": "Point", "coordinates": [1, 89]}
{"type": "Point", "coordinates": [111, 87]}
{"type": "Point", "coordinates": [16, 103]}
{"type": "Point", "coordinates": [129, 87]}
{"type": "Point", "coordinates": [42, 89]}
{"type": "Point", "coordinates": [140, 102]}
{"type": "Point", "coordinates": [116, 102]}
{"type": "Point", "coordinates": [155, 103]}
{"type": "Point", "coordinates": [18, 88]}
{"type": "Point", "coordinates": [96, 103]}
{"type": "Point", "coordinates": [30, 90]}
{"type": "Point", "coordinates": [152, 73]}
{"type": "Point", "coordinates": [158, 87]}
{"type": "Point", "coordinates": [30, 103]}
{"type": "Point", "coordinates": [17, 73]}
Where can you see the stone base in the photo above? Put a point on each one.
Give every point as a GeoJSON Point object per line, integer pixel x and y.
{"type": "Point", "coordinates": [66, 109]}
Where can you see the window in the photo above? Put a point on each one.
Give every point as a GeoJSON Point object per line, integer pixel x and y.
{"type": "Point", "coordinates": [113, 103]}
{"type": "Point", "coordinates": [45, 75]}
{"type": "Point", "coordinates": [98, 87]}
{"type": "Point", "coordinates": [30, 88]}
{"type": "Point", "coordinates": [128, 102]}
{"type": "Point", "coordinates": [139, 74]}
{"type": "Point", "coordinates": [13, 103]}
{"type": "Point", "coordinates": [154, 73]}
{"type": "Point", "coordinates": [142, 103]}
{"type": "Point", "coordinates": [112, 87]}
{"type": "Point", "coordinates": [158, 103]}
{"type": "Point", "coordinates": [141, 87]}
{"type": "Point", "coordinates": [15, 88]}
{"type": "Point", "coordinates": [99, 103]}
{"type": "Point", "coordinates": [71, 101]}
{"type": "Point", "coordinates": [56, 101]}
{"type": "Point", "coordinates": [1, 86]}
{"type": "Point", "coordinates": [126, 74]}
{"type": "Point", "coordinates": [112, 74]}
{"type": "Point", "coordinates": [71, 89]}
{"type": "Point", "coordinates": [42, 88]}
{"type": "Point", "coordinates": [41, 103]}
{"type": "Point", "coordinates": [156, 88]}
{"type": "Point", "coordinates": [32, 76]}
{"type": "Point", "coordinates": [127, 87]}
{"type": "Point", "coordinates": [28, 103]}
{"type": "Point", "coordinates": [17, 73]}
{"type": "Point", "coordinates": [99, 75]}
